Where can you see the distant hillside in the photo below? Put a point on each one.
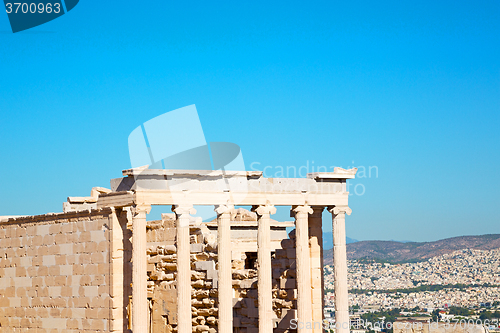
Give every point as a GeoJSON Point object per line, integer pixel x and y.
{"type": "Point", "coordinates": [413, 251]}
{"type": "Point", "coordinates": [328, 240]}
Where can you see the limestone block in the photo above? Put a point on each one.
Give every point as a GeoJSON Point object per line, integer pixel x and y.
{"type": "Point", "coordinates": [202, 329]}
{"type": "Point", "coordinates": [72, 237]}
{"type": "Point", "coordinates": [252, 273]}
{"type": "Point", "coordinates": [168, 277]}
{"type": "Point", "coordinates": [79, 248]}
{"type": "Point", "coordinates": [279, 303]}
{"type": "Point", "coordinates": [195, 275]}
{"type": "Point", "coordinates": [207, 302]}
{"type": "Point", "coordinates": [66, 228]}
{"type": "Point", "coordinates": [209, 238]}
{"type": "Point", "coordinates": [169, 249]}
{"type": "Point", "coordinates": [169, 266]}
{"type": "Point", "coordinates": [240, 274]}
{"type": "Point", "coordinates": [238, 264]}
{"type": "Point", "coordinates": [249, 283]}
{"type": "Point", "coordinates": [205, 266]}
{"type": "Point", "coordinates": [200, 293]}
{"type": "Point", "coordinates": [84, 237]}
{"type": "Point", "coordinates": [37, 241]}
{"type": "Point", "coordinates": [60, 259]}
{"type": "Point", "coordinates": [193, 238]}
{"type": "Point", "coordinates": [202, 256]}
{"type": "Point", "coordinates": [203, 312]}
{"type": "Point", "coordinates": [197, 303]}
{"type": "Point", "coordinates": [156, 259]}
{"type": "Point", "coordinates": [90, 270]}
{"type": "Point", "coordinates": [41, 229]}
{"type": "Point", "coordinates": [50, 323]}
{"type": "Point", "coordinates": [90, 247]}
{"type": "Point", "coordinates": [196, 248]}
{"type": "Point", "coordinates": [198, 284]}
{"type": "Point", "coordinates": [78, 313]}
{"type": "Point", "coordinates": [20, 271]}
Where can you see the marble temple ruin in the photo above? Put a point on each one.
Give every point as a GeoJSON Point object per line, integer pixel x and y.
{"type": "Point", "coordinates": [101, 266]}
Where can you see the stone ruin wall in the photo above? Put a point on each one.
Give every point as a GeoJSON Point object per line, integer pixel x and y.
{"type": "Point", "coordinates": [54, 273]}
{"type": "Point", "coordinates": [71, 272]}
{"type": "Point", "coordinates": [162, 274]}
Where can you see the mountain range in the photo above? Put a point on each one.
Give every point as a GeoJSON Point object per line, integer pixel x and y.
{"type": "Point", "coordinates": [394, 251]}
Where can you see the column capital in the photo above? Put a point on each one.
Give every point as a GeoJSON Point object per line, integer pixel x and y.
{"type": "Point", "coordinates": [304, 209]}
{"type": "Point", "coordinates": [185, 209]}
{"type": "Point", "coordinates": [264, 209]}
{"type": "Point", "coordinates": [138, 209]}
{"type": "Point", "coordinates": [224, 209]}
{"type": "Point", "coordinates": [335, 210]}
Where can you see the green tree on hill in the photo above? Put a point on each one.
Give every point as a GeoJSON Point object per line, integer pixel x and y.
{"type": "Point", "coordinates": [460, 311]}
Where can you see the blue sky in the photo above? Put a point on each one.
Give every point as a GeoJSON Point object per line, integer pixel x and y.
{"type": "Point", "coordinates": [411, 88]}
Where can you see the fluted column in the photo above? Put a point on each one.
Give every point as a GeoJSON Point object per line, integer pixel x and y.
{"type": "Point", "coordinates": [184, 321]}
{"type": "Point", "coordinates": [340, 268]}
{"type": "Point", "coordinates": [316, 247]}
{"type": "Point", "coordinates": [264, 283]}
{"type": "Point", "coordinates": [139, 270]}
{"type": "Point", "coordinates": [304, 312]}
{"type": "Point", "coordinates": [225, 287]}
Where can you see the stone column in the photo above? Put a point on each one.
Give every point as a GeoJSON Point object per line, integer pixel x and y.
{"type": "Point", "coordinates": [224, 274]}
{"type": "Point", "coordinates": [264, 283]}
{"type": "Point", "coordinates": [303, 267]}
{"type": "Point", "coordinates": [184, 320]}
{"type": "Point", "coordinates": [139, 270]}
{"type": "Point", "coordinates": [316, 247]}
{"type": "Point", "coordinates": [340, 268]}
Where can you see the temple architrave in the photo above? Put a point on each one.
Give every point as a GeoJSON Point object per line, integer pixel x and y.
{"type": "Point", "coordinates": [101, 266]}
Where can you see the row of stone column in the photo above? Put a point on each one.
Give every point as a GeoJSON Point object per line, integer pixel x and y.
{"type": "Point", "coordinates": [309, 267]}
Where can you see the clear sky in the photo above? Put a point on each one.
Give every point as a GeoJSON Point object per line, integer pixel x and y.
{"type": "Point", "coordinates": [410, 88]}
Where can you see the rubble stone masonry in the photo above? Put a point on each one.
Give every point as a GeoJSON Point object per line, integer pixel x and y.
{"type": "Point", "coordinates": [71, 272]}
{"type": "Point", "coordinates": [204, 297]}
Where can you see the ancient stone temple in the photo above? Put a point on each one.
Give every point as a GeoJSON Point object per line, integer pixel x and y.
{"type": "Point", "coordinates": [101, 266]}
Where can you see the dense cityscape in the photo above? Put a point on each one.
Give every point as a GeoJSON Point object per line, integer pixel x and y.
{"type": "Point", "coordinates": [465, 279]}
